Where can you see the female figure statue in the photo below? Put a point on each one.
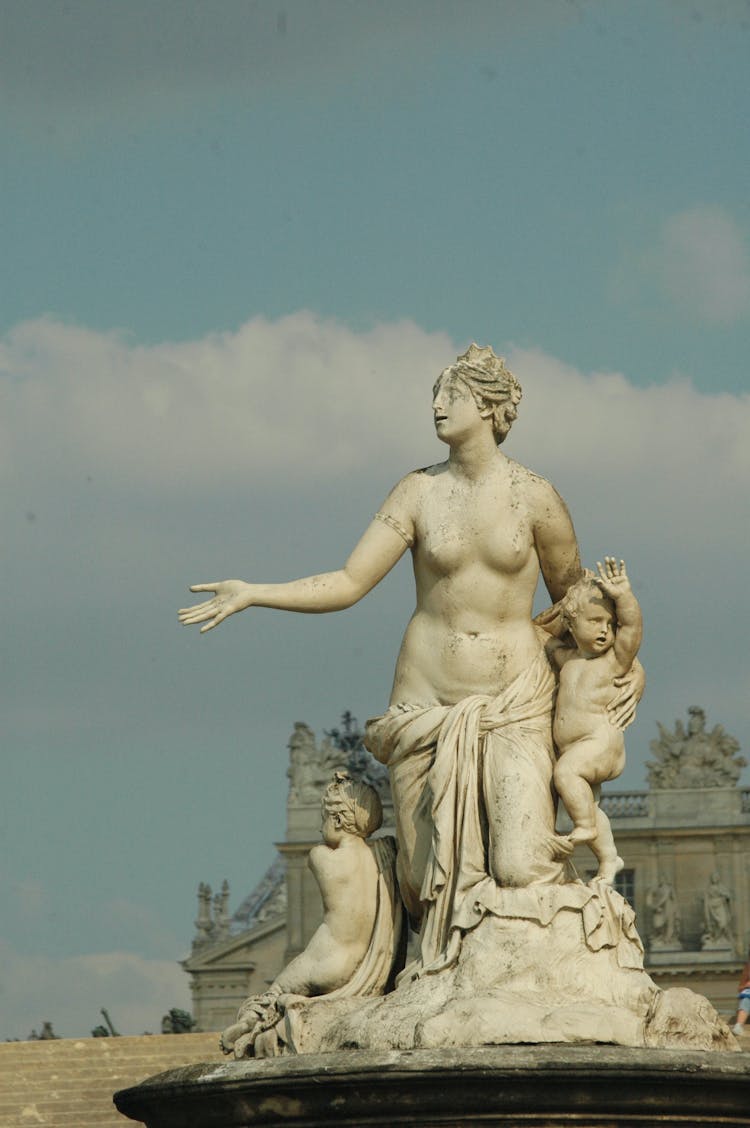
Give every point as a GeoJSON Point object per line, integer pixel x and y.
{"type": "Point", "coordinates": [717, 914]}
{"type": "Point", "coordinates": [467, 736]}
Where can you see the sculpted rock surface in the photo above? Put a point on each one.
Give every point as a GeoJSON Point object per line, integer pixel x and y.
{"type": "Point", "coordinates": [572, 972]}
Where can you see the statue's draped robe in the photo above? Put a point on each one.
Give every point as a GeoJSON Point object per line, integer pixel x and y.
{"type": "Point", "coordinates": [472, 793]}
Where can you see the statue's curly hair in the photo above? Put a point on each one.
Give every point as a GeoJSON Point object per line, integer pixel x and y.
{"type": "Point", "coordinates": [357, 803]}
{"type": "Point", "coordinates": [492, 384]}
{"type": "Point", "coordinates": [577, 594]}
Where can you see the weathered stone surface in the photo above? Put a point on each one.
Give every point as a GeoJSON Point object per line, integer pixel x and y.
{"type": "Point", "coordinates": [523, 981]}
{"type": "Point", "coordinates": [358, 948]}
{"type": "Point", "coordinates": [537, 1087]}
{"type": "Point", "coordinates": [512, 947]}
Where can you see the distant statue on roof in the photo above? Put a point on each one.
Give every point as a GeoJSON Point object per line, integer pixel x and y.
{"type": "Point", "coordinates": [360, 763]}
{"type": "Point", "coordinates": [694, 758]}
{"type": "Point", "coordinates": [311, 765]}
{"type": "Point", "coordinates": [221, 913]}
{"type": "Point", "coordinates": [212, 922]}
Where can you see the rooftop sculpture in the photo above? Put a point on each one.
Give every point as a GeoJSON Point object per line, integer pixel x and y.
{"type": "Point", "coordinates": [694, 757]}
{"type": "Point", "coordinates": [512, 946]}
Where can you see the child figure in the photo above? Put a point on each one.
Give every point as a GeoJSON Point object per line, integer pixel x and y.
{"type": "Point", "coordinates": [348, 871]}
{"type": "Point", "coordinates": [604, 618]}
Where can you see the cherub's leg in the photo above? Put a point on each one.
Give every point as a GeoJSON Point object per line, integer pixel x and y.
{"type": "Point", "coordinates": [572, 773]}
{"type": "Point", "coordinates": [610, 862]}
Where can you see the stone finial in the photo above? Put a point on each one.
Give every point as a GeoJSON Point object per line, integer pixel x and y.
{"type": "Point", "coordinates": [203, 922]}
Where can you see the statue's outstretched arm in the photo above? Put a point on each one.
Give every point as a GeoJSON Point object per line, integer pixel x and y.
{"type": "Point", "coordinates": [379, 549]}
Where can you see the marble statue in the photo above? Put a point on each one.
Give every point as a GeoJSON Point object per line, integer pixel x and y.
{"type": "Point", "coordinates": [354, 950]}
{"type": "Point", "coordinates": [604, 619]}
{"type": "Point", "coordinates": [512, 946]}
{"type": "Point", "coordinates": [695, 758]}
{"type": "Point", "coordinates": [717, 915]}
{"type": "Point", "coordinates": [665, 916]}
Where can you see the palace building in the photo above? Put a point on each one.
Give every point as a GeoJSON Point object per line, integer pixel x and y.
{"type": "Point", "coordinates": [685, 842]}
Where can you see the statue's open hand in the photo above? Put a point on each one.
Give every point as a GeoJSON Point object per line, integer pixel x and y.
{"type": "Point", "coordinates": [229, 596]}
{"type": "Point", "coordinates": [630, 686]}
{"type": "Point", "coordinates": [612, 578]}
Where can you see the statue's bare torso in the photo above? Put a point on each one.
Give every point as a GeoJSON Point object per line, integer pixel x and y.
{"type": "Point", "coordinates": [476, 566]}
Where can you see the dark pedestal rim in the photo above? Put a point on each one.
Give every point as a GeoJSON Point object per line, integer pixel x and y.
{"type": "Point", "coordinates": [520, 1085]}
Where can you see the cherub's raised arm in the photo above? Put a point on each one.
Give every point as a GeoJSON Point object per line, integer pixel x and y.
{"type": "Point", "coordinates": [614, 582]}
{"type": "Point", "coordinates": [382, 545]}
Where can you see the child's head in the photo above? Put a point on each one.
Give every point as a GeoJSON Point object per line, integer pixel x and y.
{"type": "Point", "coordinates": [356, 806]}
{"type": "Point", "coordinates": [589, 614]}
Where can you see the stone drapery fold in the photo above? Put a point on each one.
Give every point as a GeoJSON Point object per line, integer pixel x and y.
{"type": "Point", "coordinates": [474, 804]}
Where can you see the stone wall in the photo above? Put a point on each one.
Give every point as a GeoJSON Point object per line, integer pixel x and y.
{"type": "Point", "coordinates": [68, 1082]}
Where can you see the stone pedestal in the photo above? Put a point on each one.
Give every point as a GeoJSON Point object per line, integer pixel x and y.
{"type": "Point", "coordinates": [535, 1086]}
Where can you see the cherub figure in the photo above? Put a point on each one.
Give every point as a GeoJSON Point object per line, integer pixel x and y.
{"type": "Point", "coordinates": [353, 950]}
{"type": "Point", "coordinates": [604, 619]}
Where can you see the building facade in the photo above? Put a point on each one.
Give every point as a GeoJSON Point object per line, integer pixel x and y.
{"type": "Point", "coordinates": [684, 841]}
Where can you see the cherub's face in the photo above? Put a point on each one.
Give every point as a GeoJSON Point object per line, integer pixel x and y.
{"type": "Point", "coordinates": [331, 829]}
{"type": "Point", "coordinates": [593, 628]}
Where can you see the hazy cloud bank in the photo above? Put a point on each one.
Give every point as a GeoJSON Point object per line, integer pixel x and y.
{"type": "Point", "coordinates": [70, 992]}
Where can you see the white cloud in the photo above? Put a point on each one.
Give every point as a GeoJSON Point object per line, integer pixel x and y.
{"type": "Point", "coordinates": [703, 264]}
{"type": "Point", "coordinates": [70, 992]}
{"type": "Point", "coordinates": [279, 403]}
{"type": "Point", "coordinates": [274, 398]}
{"type": "Point", "coordinates": [666, 444]}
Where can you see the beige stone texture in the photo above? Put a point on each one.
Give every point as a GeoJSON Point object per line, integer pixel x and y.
{"type": "Point", "coordinates": [69, 1082]}
{"type": "Point", "coordinates": [468, 741]}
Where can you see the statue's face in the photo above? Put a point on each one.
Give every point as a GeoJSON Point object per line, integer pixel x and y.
{"type": "Point", "coordinates": [593, 627]}
{"type": "Point", "coordinates": [455, 409]}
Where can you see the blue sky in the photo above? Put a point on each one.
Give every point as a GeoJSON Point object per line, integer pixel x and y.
{"type": "Point", "coordinates": [237, 239]}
